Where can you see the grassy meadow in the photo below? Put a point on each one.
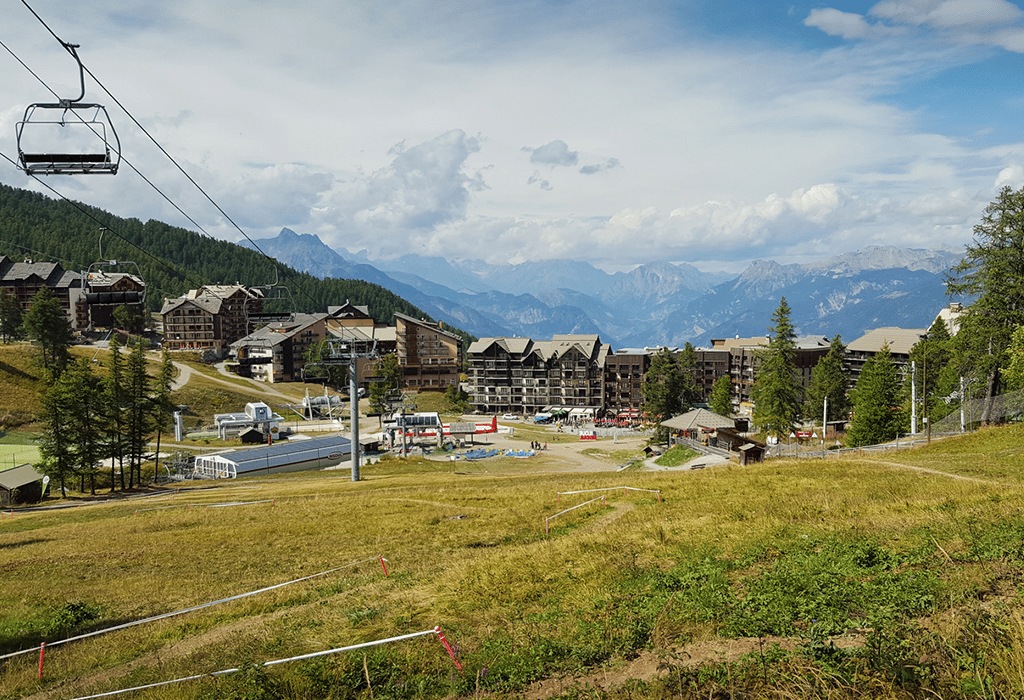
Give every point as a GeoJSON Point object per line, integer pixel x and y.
{"type": "Point", "coordinates": [862, 577]}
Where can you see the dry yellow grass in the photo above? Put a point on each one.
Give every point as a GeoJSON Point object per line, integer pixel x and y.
{"type": "Point", "coordinates": [465, 550]}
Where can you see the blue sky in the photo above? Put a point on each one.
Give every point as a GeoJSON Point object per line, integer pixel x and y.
{"type": "Point", "coordinates": [713, 133]}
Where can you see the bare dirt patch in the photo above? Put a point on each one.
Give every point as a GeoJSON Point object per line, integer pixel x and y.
{"type": "Point", "coordinates": [651, 665]}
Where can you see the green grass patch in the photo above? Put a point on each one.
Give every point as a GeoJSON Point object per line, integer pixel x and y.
{"type": "Point", "coordinates": [675, 456]}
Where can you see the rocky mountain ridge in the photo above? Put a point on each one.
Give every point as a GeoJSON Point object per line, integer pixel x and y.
{"type": "Point", "coordinates": [660, 303]}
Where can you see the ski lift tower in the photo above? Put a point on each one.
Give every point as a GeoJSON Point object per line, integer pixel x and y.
{"type": "Point", "coordinates": [349, 349]}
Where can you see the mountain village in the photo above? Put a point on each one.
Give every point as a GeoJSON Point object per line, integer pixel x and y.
{"type": "Point", "coordinates": [571, 377]}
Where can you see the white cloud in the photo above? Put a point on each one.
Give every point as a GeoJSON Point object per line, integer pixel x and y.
{"type": "Point", "coordinates": [286, 114]}
{"type": "Point", "coordinates": [554, 153]}
{"type": "Point", "coordinates": [948, 14]}
{"type": "Point", "coordinates": [609, 164]}
{"type": "Point", "coordinates": [847, 25]}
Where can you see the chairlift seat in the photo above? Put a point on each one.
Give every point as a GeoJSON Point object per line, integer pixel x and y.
{"type": "Point", "coordinates": [66, 163]}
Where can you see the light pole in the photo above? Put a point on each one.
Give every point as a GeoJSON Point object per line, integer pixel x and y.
{"type": "Point", "coordinates": [924, 383]}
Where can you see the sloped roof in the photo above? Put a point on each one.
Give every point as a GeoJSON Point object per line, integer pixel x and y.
{"type": "Point", "coordinates": [699, 418]}
{"type": "Point", "coordinates": [209, 304]}
{"type": "Point", "coordinates": [899, 340]}
{"type": "Point", "coordinates": [513, 345]}
{"type": "Point", "coordinates": [386, 333]}
{"type": "Point", "coordinates": [426, 324]}
{"type": "Point", "coordinates": [18, 477]}
{"type": "Point", "coordinates": [279, 331]}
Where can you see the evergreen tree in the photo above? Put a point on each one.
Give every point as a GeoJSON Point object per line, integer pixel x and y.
{"type": "Point", "coordinates": [138, 423]}
{"type": "Point", "coordinates": [663, 388]}
{"type": "Point", "coordinates": [55, 441]}
{"type": "Point", "coordinates": [689, 392]}
{"type": "Point", "coordinates": [776, 391]}
{"type": "Point", "coordinates": [1014, 373]}
{"type": "Point", "coordinates": [992, 271]}
{"type": "Point", "coordinates": [721, 396]}
{"type": "Point", "coordinates": [85, 412]}
{"type": "Point", "coordinates": [829, 381]}
{"type": "Point", "coordinates": [162, 405]}
{"type": "Point", "coordinates": [876, 413]}
{"type": "Point", "coordinates": [10, 317]}
{"type": "Point", "coordinates": [114, 401]}
{"type": "Point", "coordinates": [46, 324]}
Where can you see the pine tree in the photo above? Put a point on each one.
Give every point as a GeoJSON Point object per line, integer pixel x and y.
{"type": "Point", "coordinates": [776, 391]}
{"type": "Point", "coordinates": [139, 410]}
{"type": "Point", "coordinates": [10, 317]}
{"type": "Point", "coordinates": [721, 396]}
{"type": "Point", "coordinates": [992, 271]}
{"type": "Point", "coordinates": [829, 381]}
{"type": "Point", "coordinates": [663, 390]}
{"type": "Point", "coordinates": [114, 401]}
{"type": "Point", "coordinates": [56, 441]}
{"type": "Point", "coordinates": [46, 324]}
{"type": "Point", "coordinates": [163, 405]}
{"type": "Point", "coordinates": [877, 416]}
{"type": "Point", "coordinates": [935, 373]}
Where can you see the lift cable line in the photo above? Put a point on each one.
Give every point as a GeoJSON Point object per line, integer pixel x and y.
{"type": "Point", "coordinates": [169, 157]}
{"type": "Point", "coordinates": [124, 159]}
{"type": "Point", "coordinates": [177, 273]}
{"type": "Point", "coordinates": [162, 149]}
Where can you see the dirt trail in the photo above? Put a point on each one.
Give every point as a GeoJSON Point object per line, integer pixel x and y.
{"type": "Point", "coordinates": [936, 472]}
{"type": "Point", "coordinates": [185, 374]}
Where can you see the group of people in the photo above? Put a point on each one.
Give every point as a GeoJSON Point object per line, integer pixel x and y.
{"type": "Point", "coordinates": [537, 446]}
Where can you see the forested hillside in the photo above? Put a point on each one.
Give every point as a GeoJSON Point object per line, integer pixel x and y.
{"type": "Point", "coordinates": [171, 259]}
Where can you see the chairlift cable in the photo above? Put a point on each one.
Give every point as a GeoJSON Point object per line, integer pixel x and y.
{"type": "Point", "coordinates": [105, 224]}
{"type": "Point", "coordinates": [156, 143]}
{"type": "Point", "coordinates": [123, 157]}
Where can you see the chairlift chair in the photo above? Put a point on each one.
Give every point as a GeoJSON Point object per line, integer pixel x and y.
{"type": "Point", "coordinates": [47, 146]}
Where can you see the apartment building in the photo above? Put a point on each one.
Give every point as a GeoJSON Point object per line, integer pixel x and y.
{"type": "Point", "coordinates": [428, 355]}
{"type": "Point", "coordinates": [522, 376]}
{"type": "Point", "coordinates": [209, 318]}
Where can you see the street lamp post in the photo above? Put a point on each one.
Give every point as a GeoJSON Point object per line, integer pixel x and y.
{"type": "Point", "coordinates": [924, 388]}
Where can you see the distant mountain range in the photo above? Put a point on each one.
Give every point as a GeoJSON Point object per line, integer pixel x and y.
{"type": "Point", "coordinates": [655, 304]}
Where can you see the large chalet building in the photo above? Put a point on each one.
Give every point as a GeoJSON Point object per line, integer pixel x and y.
{"type": "Point", "coordinates": [209, 318]}
{"type": "Point", "coordinates": [88, 302]}
{"type": "Point", "coordinates": [519, 375]}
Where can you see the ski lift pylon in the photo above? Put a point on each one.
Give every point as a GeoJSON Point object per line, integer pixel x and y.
{"type": "Point", "coordinates": [49, 143]}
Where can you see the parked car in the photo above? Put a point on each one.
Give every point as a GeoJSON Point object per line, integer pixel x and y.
{"type": "Point", "coordinates": [509, 416]}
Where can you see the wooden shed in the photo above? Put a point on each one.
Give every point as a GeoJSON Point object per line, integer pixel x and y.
{"type": "Point", "coordinates": [21, 484]}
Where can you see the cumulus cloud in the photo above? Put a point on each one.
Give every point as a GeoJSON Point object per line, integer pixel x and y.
{"type": "Point", "coordinates": [1011, 176]}
{"type": "Point", "coordinates": [948, 14]}
{"type": "Point", "coordinates": [423, 186]}
{"type": "Point", "coordinates": [555, 153]}
{"type": "Point", "coordinates": [274, 193]}
{"type": "Point", "coordinates": [609, 164]}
